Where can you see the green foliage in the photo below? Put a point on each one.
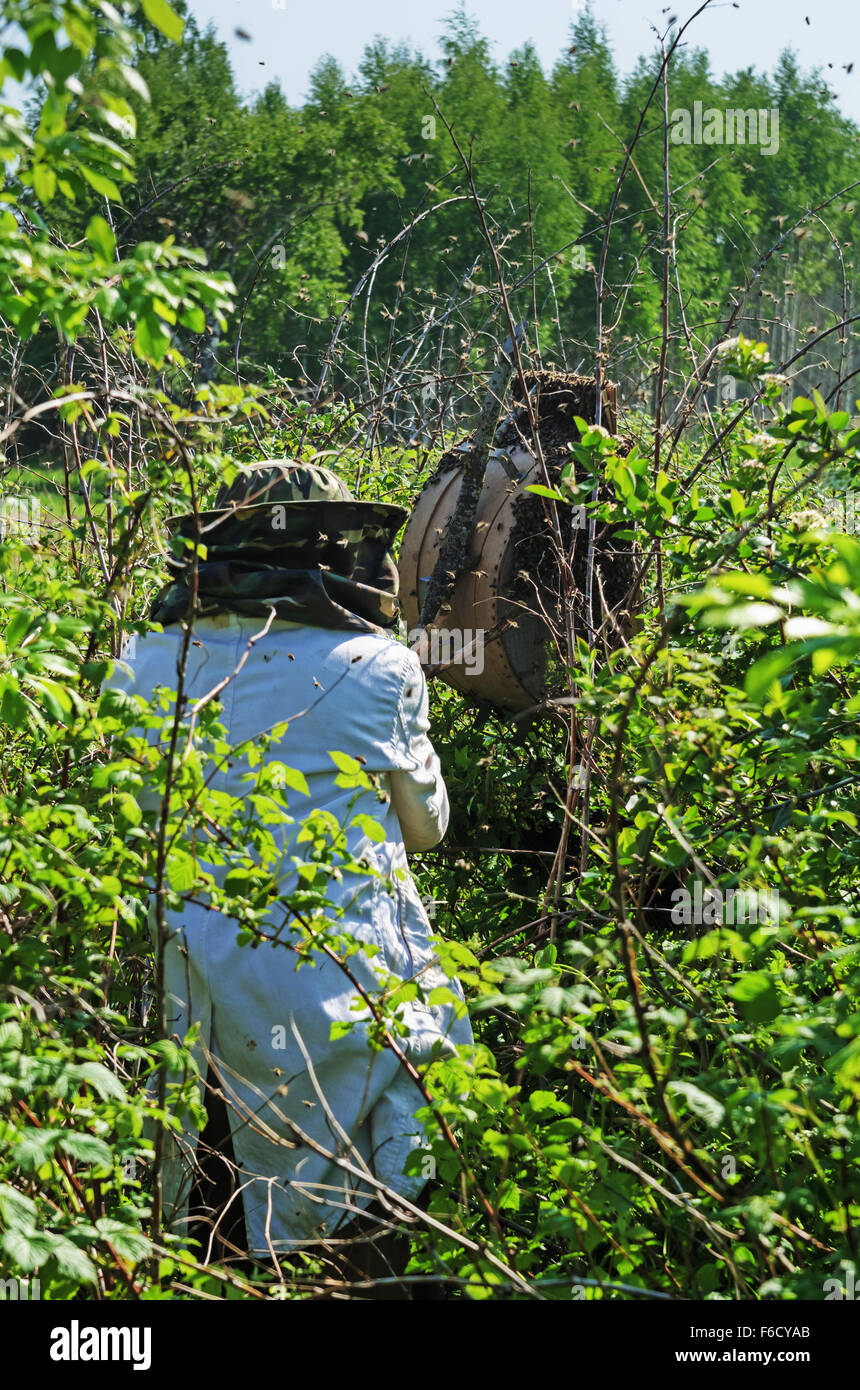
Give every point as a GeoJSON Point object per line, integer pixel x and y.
{"type": "Point", "coordinates": [294, 203]}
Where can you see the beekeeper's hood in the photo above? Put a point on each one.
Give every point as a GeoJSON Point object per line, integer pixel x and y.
{"type": "Point", "coordinates": [291, 537]}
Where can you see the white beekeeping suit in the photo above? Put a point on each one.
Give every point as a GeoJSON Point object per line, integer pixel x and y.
{"type": "Point", "coordinates": [311, 1115]}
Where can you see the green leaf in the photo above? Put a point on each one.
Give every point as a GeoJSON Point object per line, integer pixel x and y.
{"type": "Point", "coordinates": [372, 829]}
{"type": "Point", "coordinates": [159, 13]}
{"type": "Point", "coordinates": [291, 777]}
{"type": "Point", "coordinates": [237, 883]}
{"type": "Point", "coordinates": [35, 1147]}
{"type": "Point", "coordinates": [18, 626]}
{"type": "Point", "coordinates": [128, 1242]}
{"type": "Point", "coordinates": [135, 81]}
{"type": "Point", "coordinates": [11, 1035]}
{"type": "Point", "coordinates": [44, 182]}
{"type": "Point", "coordinates": [181, 870]}
{"type": "Point", "coordinates": [101, 238]}
{"type": "Point", "coordinates": [16, 1209]}
{"type": "Point", "coordinates": [707, 1107]}
{"type": "Point", "coordinates": [103, 1081]}
{"type": "Point", "coordinates": [128, 808]}
{"type": "Point", "coordinates": [73, 1263]}
{"type": "Point", "coordinates": [151, 338]}
{"type": "Point", "coordinates": [14, 710]}
{"type": "Point", "coordinates": [756, 997]}
{"type": "Point", "coordinates": [100, 182]}
{"type": "Point", "coordinates": [508, 1197]}
{"type": "Point", "coordinates": [739, 582]}
{"type": "Point", "coordinates": [761, 676]}
{"type": "Point", "coordinates": [743, 615]}
{"type": "Point", "coordinates": [540, 491]}
{"type": "Point", "coordinates": [345, 763]}
{"type": "Point", "coordinates": [27, 1249]}
{"type": "Point", "coordinates": [547, 1103]}
{"type": "Point", "coordinates": [55, 699]}
{"type": "Point", "coordinates": [86, 1148]}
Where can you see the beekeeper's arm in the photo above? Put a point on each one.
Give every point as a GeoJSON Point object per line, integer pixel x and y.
{"type": "Point", "coordinates": [418, 792]}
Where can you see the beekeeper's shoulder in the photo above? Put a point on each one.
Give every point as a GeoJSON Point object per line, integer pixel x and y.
{"type": "Point", "coordinates": [385, 663]}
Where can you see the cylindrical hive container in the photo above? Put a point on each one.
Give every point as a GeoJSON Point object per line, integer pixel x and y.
{"type": "Point", "coordinates": [505, 596]}
{"type": "Point", "coordinates": [511, 592]}
{"type": "Point", "coordinates": [514, 660]}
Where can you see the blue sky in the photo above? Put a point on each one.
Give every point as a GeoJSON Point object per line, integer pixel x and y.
{"type": "Point", "coordinates": [289, 36]}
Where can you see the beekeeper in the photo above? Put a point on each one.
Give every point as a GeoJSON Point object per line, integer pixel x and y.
{"type": "Point", "coordinates": [309, 1115]}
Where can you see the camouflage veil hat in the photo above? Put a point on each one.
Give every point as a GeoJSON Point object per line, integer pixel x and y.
{"type": "Point", "coordinates": [280, 482]}
{"type": "Point", "coordinates": [288, 537]}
